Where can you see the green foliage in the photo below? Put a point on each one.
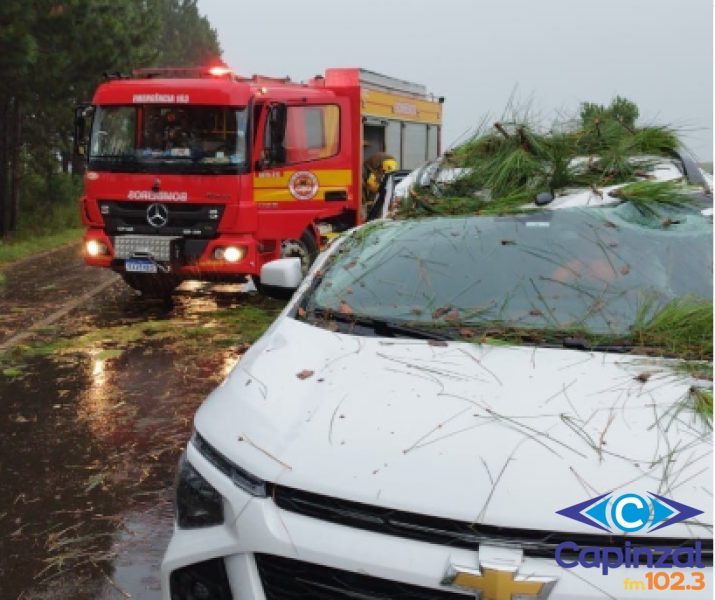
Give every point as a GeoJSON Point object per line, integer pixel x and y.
{"type": "Point", "coordinates": [248, 321]}
{"type": "Point", "coordinates": [186, 38]}
{"type": "Point", "coordinates": [19, 47]}
{"type": "Point", "coordinates": [513, 160]}
{"type": "Point", "coordinates": [621, 110]}
{"type": "Point", "coordinates": [53, 56]}
{"type": "Point", "coordinates": [700, 401]}
{"type": "Point", "coordinates": [24, 244]}
{"type": "Point", "coordinates": [647, 196]}
{"type": "Point", "coordinates": [654, 140]}
{"type": "Point", "coordinates": [681, 328]}
{"type": "Point", "coordinates": [50, 203]}
{"type": "Point", "coordinates": [234, 327]}
{"type": "Point", "coordinates": [49, 217]}
{"type": "Point", "coordinates": [12, 372]}
{"type": "Point", "coordinates": [697, 369]}
{"type": "Point", "coordinates": [423, 204]}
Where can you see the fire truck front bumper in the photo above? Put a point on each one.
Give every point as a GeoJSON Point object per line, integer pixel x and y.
{"type": "Point", "coordinates": [224, 258]}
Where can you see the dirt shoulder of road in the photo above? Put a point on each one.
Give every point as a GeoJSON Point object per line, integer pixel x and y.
{"type": "Point", "coordinates": [51, 283]}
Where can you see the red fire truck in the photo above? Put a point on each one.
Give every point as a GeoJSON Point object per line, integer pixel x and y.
{"type": "Point", "coordinates": [204, 174]}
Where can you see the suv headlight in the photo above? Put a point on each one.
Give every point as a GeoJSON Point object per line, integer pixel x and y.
{"type": "Point", "coordinates": [240, 477]}
{"type": "Point", "coordinates": [197, 503]}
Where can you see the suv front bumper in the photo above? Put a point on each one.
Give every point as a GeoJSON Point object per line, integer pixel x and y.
{"type": "Point", "coordinates": [262, 547]}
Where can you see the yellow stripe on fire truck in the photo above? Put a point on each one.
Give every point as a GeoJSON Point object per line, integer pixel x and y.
{"type": "Point", "coordinates": [290, 185]}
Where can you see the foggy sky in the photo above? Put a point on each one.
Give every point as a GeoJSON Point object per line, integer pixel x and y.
{"type": "Point", "coordinates": [548, 54]}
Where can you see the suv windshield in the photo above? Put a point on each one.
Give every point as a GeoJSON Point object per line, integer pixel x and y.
{"type": "Point", "coordinates": [176, 139]}
{"type": "Point", "coordinates": [584, 269]}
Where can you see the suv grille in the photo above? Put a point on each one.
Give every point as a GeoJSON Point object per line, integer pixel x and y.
{"type": "Point", "coordinates": [286, 579]}
{"type": "Point", "coordinates": [187, 220]}
{"type": "Point", "coordinates": [450, 532]}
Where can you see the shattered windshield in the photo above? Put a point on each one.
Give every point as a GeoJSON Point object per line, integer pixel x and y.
{"type": "Point", "coordinates": [590, 269]}
{"type": "Point", "coordinates": [155, 138]}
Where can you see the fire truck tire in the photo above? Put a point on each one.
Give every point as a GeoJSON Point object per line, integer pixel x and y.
{"type": "Point", "coordinates": [306, 248]}
{"type": "Point", "coordinates": [152, 286]}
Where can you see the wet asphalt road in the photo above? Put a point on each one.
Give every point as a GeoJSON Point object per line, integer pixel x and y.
{"type": "Point", "coordinates": [95, 408]}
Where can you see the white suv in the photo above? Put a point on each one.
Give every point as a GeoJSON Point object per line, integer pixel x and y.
{"type": "Point", "coordinates": [502, 407]}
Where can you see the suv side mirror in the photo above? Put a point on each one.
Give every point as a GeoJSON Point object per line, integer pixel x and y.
{"type": "Point", "coordinates": [281, 277]}
{"type": "Point", "coordinates": [82, 120]}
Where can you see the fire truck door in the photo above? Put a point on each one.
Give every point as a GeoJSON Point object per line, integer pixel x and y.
{"type": "Point", "coordinates": [303, 151]}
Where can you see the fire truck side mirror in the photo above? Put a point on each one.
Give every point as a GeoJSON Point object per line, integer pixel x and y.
{"type": "Point", "coordinates": [82, 120]}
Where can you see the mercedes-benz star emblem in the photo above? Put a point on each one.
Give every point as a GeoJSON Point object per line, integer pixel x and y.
{"type": "Point", "coordinates": [157, 215]}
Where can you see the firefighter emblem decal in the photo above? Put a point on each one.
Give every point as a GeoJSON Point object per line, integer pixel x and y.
{"type": "Point", "coordinates": [303, 185]}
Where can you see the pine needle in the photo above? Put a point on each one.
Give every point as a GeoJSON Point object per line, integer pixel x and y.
{"type": "Point", "coordinates": [701, 402]}
{"type": "Point", "coordinates": [648, 196]}
{"type": "Point", "coordinates": [681, 328]}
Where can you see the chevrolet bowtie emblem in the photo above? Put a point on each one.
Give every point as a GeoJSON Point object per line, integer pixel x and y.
{"type": "Point", "coordinates": [498, 582]}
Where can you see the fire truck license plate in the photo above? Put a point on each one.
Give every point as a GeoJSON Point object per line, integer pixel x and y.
{"type": "Point", "coordinates": [140, 266]}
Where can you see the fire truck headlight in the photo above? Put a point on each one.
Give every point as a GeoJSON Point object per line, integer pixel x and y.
{"type": "Point", "coordinates": [94, 248]}
{"type": "Point", "coordinates": [231, 254]}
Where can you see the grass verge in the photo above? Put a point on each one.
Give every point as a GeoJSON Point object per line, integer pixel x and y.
{"type": "Point", "coordinates": [13, 250]}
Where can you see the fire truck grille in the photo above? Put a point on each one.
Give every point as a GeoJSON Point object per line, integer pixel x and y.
{"type": "Point", "coordinates": [288, 579]}
{"type": "Point", "coordinates": [186, 220]}
{"type": "Point", "coordinates": [157, 247]}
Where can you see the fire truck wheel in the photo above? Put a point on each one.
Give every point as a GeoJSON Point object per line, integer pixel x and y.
{"type": "Point", "coordinates": [305, 248]}
{"type": "Point", "coordinates": [152, 286]}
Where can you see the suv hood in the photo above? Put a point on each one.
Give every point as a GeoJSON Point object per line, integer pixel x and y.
{"type": "Point", "coordinates": [498, 435]}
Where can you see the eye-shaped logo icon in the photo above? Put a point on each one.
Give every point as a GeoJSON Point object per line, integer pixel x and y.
{"type": "Point", "coordinates": [157, 215]}
{"type": "Point", "coordinates": [629, 512]}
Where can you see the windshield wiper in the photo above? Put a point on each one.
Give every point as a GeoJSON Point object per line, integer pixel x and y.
{"type": "Point", "coordinates": [381, 327]}
{"type": "Point", "coordinates": [583, 344]}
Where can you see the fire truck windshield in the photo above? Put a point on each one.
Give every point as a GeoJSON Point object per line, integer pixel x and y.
{"type": "Point", "coordinates": [168, 139]}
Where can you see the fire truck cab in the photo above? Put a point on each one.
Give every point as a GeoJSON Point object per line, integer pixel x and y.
{"type": "Point", "coordinates": [203, 174]}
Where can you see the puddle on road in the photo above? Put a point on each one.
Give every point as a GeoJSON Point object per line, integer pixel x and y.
{"type": "Point", "coordinates": [139, 546]}
{"type": "Point", "coordinates": [88, 449]}
{"type": "Point", "coordinates": [192, 300]}
{"type": "Point", "coordinates": [94, 414]}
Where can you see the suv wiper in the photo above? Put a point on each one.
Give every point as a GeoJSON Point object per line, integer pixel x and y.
{"type": "Point", "coordinates": [583, 344]}
{"type": "Point", "coordinates": [381, 327]}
